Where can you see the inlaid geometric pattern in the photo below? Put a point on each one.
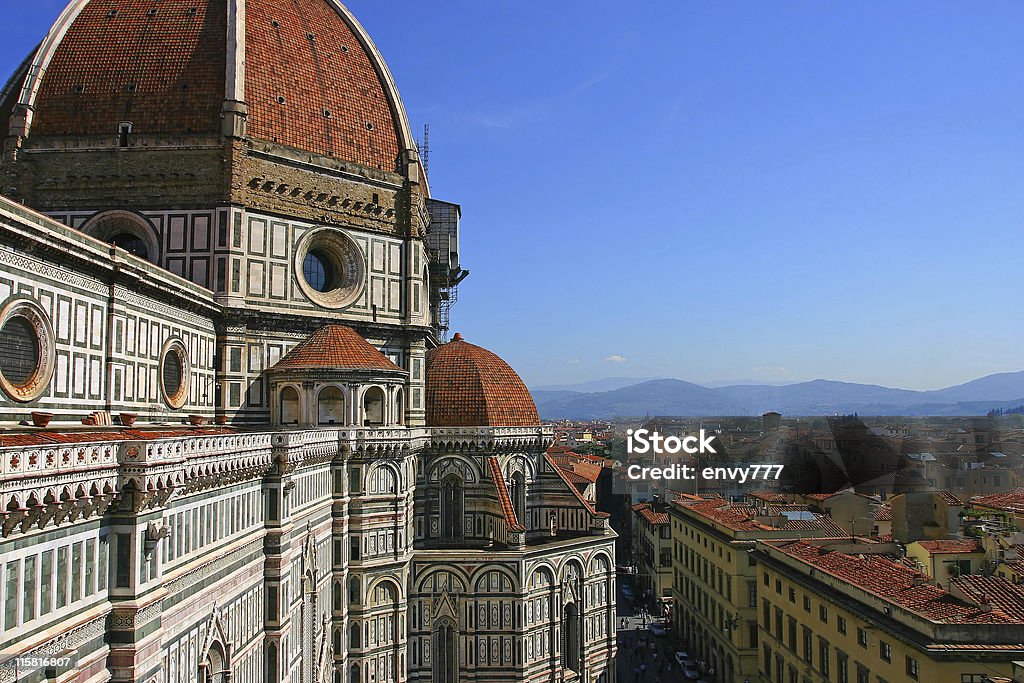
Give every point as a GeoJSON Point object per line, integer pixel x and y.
{"type": "Point", "coordinates": [468, 386]}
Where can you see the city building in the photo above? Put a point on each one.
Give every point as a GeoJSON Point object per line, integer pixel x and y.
{"type": "Point", "coordinates": [247, 454]}
{"type": "Point", "coordinates": [949, 558]}
{"type": "Point", "coordinates": [849, 613]}
{"type": "Point", "coordinates": [652, 552]}
{"type": "Point", "coordinates": [715, 580]}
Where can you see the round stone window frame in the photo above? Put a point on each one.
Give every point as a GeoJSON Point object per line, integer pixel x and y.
{"type": "Point", "coordinates": [347, 265]}
{"type": "Point", "coordinates": [39, 321]}
{"type": "Point", "coordinates": [180, 397]}
{"type": "Point", "coordinates": [106, 225]}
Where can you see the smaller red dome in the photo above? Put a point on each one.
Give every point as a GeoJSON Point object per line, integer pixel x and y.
{"type": "Point", "coordinates": [468, 386]}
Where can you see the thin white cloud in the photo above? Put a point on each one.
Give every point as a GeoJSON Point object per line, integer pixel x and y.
{"type": "Point", "coordinates": [574, 361]}
{"type": "Point", "coordinates": [615, 358]}
{"type": "Point", "coordinates": [772, 371]}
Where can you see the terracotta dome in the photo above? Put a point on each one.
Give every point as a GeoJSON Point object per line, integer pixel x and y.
{"type": "Point", "coordinates": [306, 71]}
{"type": "Point", "coordinates": [468, 386]}
{"type": "Point", "coordinates": [336, 347]}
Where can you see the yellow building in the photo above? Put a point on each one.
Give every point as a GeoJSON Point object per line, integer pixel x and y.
{"type": "Point", "coordinates": [841, 612]}
{"type": "Point", "coordinates": [652, 551]}
{"type": "Point", "coordinates": [715, 586]}
{"type": "Point", "coordinates": [946, 559]}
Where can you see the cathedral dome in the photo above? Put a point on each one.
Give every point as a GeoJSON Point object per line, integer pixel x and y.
{"type": "Point", "coordinates": [306, 72]}
{"type": "Point", "coordinates": [468, 386]}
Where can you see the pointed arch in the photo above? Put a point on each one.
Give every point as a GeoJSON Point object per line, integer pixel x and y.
{"type": "Point", "coordinates": [444, 645]}
{"type": "Point", "coordinates": [452, 505]}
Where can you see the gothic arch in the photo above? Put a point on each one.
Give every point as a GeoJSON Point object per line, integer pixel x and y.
{"type": "Point", "coordinates": [452, 507]}
{"type": "Point", "coordinates": [215, 654]}
{"type": "Point", "coordinates": [450, 462]}
{"type": "Point", "coordinates": [520, 462]}
{"type": "Point", "coordinates": [444, 639]}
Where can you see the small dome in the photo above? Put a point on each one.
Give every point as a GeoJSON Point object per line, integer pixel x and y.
{"type": "Point", "coordinates": [468, 386]}
{"type": "Point", "coordinates": [336, 347]}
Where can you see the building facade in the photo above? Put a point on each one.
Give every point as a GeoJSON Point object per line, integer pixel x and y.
{"type": "Point", "coordinates": [652, 553]}
{"type": "Point", "coordinates": [715, 580]}
{"type": "Point", "coordinates": [246, 453]}
{"type": "Point", "coordinates": [854, 615]}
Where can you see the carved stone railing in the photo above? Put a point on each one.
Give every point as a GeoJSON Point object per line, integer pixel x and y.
{"type": "Point", "coordinates": [491, 439]}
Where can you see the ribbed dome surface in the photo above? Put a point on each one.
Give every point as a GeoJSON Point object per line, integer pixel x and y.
{"type": "Point", "coordinates": [468, 386]}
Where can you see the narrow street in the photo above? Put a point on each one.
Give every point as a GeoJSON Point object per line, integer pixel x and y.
{"type": "Point", "coordinates": [642, 656]}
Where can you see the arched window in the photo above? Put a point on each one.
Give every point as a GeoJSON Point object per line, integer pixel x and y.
{"type": "Point", "coordinates": [399, 407]}
{"type": "Point", "coordinates": [330, 406]}
{"type": "Point", "coordinates": [353, 674]}
{"type": "Point", "coordinates": [517, 493]}
{"type": "Point", "coordinates": [271, 662]}
{"type": "Point", "coordinates": [289, 406]}
{"type": "Point", "coordinates": [127, 230]}
{"type": "Point", "coordinates": [353, 636]}
{"type": "Point", "coordinates": [353, 591]}
{"type": "Point", "coordinates": [373, 407]}
{"type": "Point", "coordinates": [452, 506]}
{"type": "Point", "coordinates": [446, 653]}
{"type": "Point", "coordinates": [213, 669]}
{"type": "Point", "coordinates": [571, 637]}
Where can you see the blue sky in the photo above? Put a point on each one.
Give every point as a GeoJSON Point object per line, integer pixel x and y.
{"type": "Point", "coordinates": [719, 190]}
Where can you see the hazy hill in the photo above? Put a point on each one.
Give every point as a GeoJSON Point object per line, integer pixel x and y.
{"type": "Point", "coordinates": [817, 397]}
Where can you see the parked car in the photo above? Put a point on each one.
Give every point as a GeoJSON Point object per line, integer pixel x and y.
{"type": "Point", "coordinates": [683, 658]}
{"type": "Point", "coordinates": [690, 671]}
{"type": "Point", "coordinates": [656, 628]}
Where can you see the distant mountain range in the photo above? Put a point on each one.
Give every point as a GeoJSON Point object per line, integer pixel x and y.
{"type": "Point", "coordinates": [625, 397]}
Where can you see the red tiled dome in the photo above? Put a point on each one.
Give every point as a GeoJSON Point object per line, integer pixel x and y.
{"type": "Point", "coordinates": [337, 347]}
{"type": "Point", "coordinates": [312, 78]}
{"type": "Point", "coordinates": [468, 386]}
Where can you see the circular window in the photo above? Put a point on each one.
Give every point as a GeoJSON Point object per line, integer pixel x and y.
{"type": "Point", "coordinates": [316, 268]}
{"type": "Point", "coordinates": [27, 360]}
{"type": "Point", "coordinates": [330, 268]}
{"type": "Point", "coordinates": [174, 373]}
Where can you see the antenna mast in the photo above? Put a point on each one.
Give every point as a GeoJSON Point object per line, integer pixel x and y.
{"type": "Point", "coordinates": [426, 150]}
